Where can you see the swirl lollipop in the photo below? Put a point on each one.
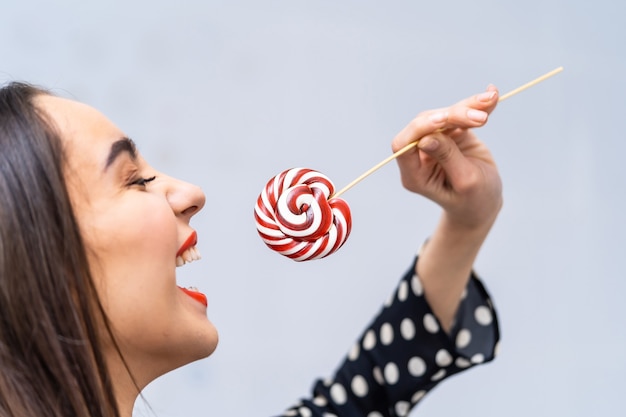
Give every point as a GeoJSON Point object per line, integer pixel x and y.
{"type": "Point", "coordinates": [299, 215]}
{"type": "Point", "coordinates": [295, 217]}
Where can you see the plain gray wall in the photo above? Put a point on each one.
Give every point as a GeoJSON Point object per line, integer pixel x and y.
{"type": "Point", "coordinates": [227, 94]}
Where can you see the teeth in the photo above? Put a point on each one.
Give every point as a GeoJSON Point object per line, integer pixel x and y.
{"type": "Point", "coordinates": [188, 256]}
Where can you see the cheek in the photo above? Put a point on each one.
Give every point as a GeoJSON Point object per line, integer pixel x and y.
{"type": "Point", "coordinates": [132, 253]}
{"type": "Point", "coordinates": [131, 231]}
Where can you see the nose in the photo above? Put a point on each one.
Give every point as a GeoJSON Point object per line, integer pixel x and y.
{"type": "Point", "coordinates": [185, 199]}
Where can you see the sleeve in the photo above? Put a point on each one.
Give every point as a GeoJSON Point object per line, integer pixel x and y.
{"type": "Point", "coordinates": [404, 353]}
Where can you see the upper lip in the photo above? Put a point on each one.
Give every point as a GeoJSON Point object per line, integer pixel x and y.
{"type": "Point", "coordinates": [191, 241]}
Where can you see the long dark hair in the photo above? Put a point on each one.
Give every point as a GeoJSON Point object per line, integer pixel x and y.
{"type": "Point", "coordinates": [51, 361]}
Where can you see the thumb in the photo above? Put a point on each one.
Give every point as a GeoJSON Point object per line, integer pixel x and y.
{"type": "Point", "coordinates": [447, 154]}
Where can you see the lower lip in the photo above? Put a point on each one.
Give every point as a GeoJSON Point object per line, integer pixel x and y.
{"type": "Point", "coordinates": [198, 296]}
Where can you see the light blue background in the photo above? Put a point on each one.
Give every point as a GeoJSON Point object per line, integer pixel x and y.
{"type": "Point", "coordinates": [227, 94]}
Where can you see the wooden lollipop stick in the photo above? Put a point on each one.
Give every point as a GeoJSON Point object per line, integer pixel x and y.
{"type": "Point", "coordinates": [413, 144]}
{"type": "Point", "coordinates": [530, 84]}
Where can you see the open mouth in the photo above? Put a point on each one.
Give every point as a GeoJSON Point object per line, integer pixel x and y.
{"type": "Point", "coordinates": [187, 254]}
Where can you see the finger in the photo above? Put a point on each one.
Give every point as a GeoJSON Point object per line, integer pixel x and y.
{"type": "Point", "coordinates": [473, 111]}
{"type": "Point", "coordinates": [458, 169]}
{"type": "Point", "coordinates": [468, 113]}
{"type": "Point", "coordinates": [486, 101]}
{"type": "Point", "coordinates": [423, 124]}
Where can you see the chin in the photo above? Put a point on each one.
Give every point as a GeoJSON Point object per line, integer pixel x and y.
{"type": "Point", "coordinates": [211, 345]}
{"type": "Point", "coordinates": [200, 349]}
{"type": "Point", "coordinates": [205, 345]}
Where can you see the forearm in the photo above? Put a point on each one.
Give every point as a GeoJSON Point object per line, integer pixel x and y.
{"type": "Point", "coordinates": [446, 262]}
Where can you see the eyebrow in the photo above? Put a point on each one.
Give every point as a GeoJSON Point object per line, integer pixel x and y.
{"type": "Point", "coordinates": [118, 147]}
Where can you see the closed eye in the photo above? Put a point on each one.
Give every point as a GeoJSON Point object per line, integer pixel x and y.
{"type": "Point", "coordinates": [142, 182]}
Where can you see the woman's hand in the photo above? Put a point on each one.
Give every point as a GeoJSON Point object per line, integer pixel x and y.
{"type": "Point", "coordinates": [456, 170]}
{"type": "Point", "coordinates": [452, 167]}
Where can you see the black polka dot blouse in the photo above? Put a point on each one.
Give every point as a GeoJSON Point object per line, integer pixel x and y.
{"type": "Point", "coordinates": [404, 353]}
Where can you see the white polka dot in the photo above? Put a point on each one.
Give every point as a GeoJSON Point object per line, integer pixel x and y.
{"type": "Point", "coordinates": [320, 401]}
{"type": "Point", "coordinates": [290, 413]}
{"type": "Point", "coordinates": [482, 315]}
{"type": "Point", "coordinates": [416, 286]}
{"type": "Point", "coordinates": [430, 323]}
{"type": "Point", "coordinates": [407, 329]}
{"type": "Point", "coordinates": [338, 394]}
{"type": "Point", "coordinates": [464, 295]}
{"type": "Point", "coordinates": [369, 341]}
{"type": "Point", "coordinates": [329, 415]}
{"type": "Point", "coordinates": [418, 396]}
{"type": "Point", "coordinates": [378, 375]}
{"type": "Point", "coordinates": [354, 352]}
{"type": "Point", "coordinates": [478, 358]}
{"type": "Point", "coordinates": [496, 349]}
{"type": "Point", "coordinates": [463, 338]}
{"type": "Point", "coordinates": [392, 374]}
{"type": "Point", "coordinates": [359, 386]}
{"type": "Point", "coordinates": [462, 363]}
{"type": "Point", "coordinates": [386, 334]}
{"type": "Point", "coordinates": [443, 358]}
{"type": "Point", "coordinates": [374, 414]}
{"type": "Point", "coordinates": [305, 412]}
{"type": "Point", "coordinates": [403, 291]}
{"type": "Point", "coordinates": [417, 366]}
{"type": "Point", "coordinates": [403, 408]}
{"type": "Point", "coordinates": [439, 375]}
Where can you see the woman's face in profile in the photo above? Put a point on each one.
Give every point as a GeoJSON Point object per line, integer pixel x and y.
{"type": "Point", "coordinates": [135, 223]}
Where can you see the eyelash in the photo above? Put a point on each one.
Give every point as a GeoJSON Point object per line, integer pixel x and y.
{"type": "Point", "coordinates": [142, 182]}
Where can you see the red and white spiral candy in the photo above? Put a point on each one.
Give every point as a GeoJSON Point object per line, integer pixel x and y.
{"type": "Point", "coordinates": [295, 218]}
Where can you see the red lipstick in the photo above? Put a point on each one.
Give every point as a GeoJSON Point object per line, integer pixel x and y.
{"type": "Point", "coordinates": [191, 241]}
{"type": "Point", "coordinates": [198, 296]}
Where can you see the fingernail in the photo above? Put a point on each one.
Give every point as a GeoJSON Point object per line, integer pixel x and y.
{"type": "Point", "coordinates": [486, 96]}
{"type": "Point", "coordinates": [476, 115]}
{"type": "Point", "coordinates": [439, 117]}
{"type": "Point", "coordinates": [428, 144]}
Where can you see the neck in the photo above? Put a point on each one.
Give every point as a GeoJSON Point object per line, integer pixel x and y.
{"type": "Point", "coordinates": [125, 387]}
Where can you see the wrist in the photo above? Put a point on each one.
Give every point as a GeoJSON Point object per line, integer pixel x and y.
{"type": "Point", "coordinates": [472, 221]}
{"type": "Point", "coordinates": [463, 230]}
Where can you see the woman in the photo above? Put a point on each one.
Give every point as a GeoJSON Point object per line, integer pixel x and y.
{"type": "Point", "coordinates": [91, 234]}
